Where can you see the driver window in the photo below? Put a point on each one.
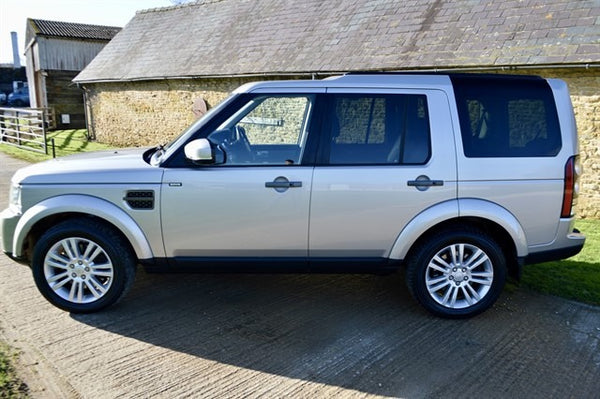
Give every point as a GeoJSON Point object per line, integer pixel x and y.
{"type": "Point", "coordinates": [268, 130]}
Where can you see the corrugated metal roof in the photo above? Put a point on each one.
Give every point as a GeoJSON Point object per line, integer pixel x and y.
{"type": "Point", "coordinates": [241, 37]}
{"type": "Point", "coordinates": [72, 30]}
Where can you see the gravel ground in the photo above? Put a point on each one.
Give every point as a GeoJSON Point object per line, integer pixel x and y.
{"type": "Point", "coordinates": [311, 336]}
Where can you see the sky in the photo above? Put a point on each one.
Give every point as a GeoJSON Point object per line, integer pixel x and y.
{"type": "Point", "coordinates": [14, 14]}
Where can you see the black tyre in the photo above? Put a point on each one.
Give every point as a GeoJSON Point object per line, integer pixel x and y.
{"type": "Point", "coordinates": [456, 273]}
{"type": "Point", "coordinates": [82, 266]}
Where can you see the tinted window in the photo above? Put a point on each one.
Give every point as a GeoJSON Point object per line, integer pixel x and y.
{"type": "Point", "coordinates": [378, 129]}
{"type": "Point", "coordinates": [507, 117]}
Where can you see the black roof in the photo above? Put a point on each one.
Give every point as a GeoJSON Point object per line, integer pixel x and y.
{"type": "Point", "coordinates": [60, 29]}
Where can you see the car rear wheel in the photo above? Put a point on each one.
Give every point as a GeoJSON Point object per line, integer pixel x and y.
{"type": "Point", "coordinates": [457, 274]}
{"type": "Point", "coordinates": [82, 266]}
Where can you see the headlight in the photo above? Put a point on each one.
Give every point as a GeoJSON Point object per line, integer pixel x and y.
{"type": "Point", "coordinates": [14, 198]}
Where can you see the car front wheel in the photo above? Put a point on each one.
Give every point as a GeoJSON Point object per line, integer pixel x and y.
{"type": "Point", "coordinates": [82, 266]}
{"type": "Point", "coordinates": [457, 274]}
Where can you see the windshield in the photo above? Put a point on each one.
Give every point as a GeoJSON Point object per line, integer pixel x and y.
{"type": "Point", "coordinates": [162, 152]}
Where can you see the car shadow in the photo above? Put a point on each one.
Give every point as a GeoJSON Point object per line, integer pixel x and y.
{"type": "Point", "coordinates": [361, 332]}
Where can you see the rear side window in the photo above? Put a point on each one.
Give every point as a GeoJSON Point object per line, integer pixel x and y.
{"type": "Point", "coordinates": [507, 116]}
{"type": "Point", "coordinates": [378, 129]}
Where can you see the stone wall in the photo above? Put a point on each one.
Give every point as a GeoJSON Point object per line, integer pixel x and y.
{"type": "Point", "coordinates": [149, 112]}
{"type": "Point", "coordinates": [154, 112]}
{"type": "Point", "coordinates": [584, 86]}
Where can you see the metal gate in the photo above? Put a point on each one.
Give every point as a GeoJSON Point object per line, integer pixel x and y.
{"type": "Point", "coordinates": [25, 127]}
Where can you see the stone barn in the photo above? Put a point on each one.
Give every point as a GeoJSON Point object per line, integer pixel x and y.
{"type": "Point", "coordinates": [143, 86]}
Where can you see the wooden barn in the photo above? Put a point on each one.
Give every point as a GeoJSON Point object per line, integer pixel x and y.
{"type": "Point", "coordinates": [56, 52]}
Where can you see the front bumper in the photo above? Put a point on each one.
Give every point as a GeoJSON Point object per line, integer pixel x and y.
{"type": "Point", "coordinates": [8, 223]}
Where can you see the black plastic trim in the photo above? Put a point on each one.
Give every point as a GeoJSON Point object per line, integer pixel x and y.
{"type": "Point", "coordinates": [451, 74]}
{"type": "Point", "coordinates": [271, 265]}
{"type": "Point", "coordinates": [551, 255]}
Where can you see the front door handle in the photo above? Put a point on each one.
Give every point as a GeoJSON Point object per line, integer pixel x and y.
{"type": "Point", "coordinates": [423, 182]}
{"type": "Point", "coordinates": [281, 184]}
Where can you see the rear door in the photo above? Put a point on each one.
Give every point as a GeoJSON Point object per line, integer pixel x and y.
{"type": "Point", "coordinates": [384, 159]}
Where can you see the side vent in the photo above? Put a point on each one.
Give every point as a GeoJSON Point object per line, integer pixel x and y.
{"type": "Point", "coordinates": [138, 199]}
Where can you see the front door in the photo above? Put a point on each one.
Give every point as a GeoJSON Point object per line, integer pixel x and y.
{"type": "Point", "coordinates": [255, 204]}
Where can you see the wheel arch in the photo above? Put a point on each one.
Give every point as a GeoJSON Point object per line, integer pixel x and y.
{"type": "Point", "coordinates": [486, 216]}
{"type": "Point", "coordinates": [48, 212]}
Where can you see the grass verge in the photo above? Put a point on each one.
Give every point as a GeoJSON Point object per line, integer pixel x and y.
{"type": "Point", "coordinates": [10, 385]}
{"type": "Point", "coordinates": [576, 278]}
{"type": "Point", "coordinates": [66, 142]}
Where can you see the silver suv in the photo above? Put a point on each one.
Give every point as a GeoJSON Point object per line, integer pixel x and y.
{"type": "Point", "coordinates": [462, 179]}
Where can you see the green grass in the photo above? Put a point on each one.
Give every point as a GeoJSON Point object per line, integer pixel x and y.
{"type": "Point", "coordinates": [10, 385]}
{"type": "Point", "coordinates": [66, 142]}
{"type": "Point", "coordinates": [576, 278]}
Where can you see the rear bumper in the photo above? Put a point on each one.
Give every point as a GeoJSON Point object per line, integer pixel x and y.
{"type": "Point", "coordinates": [554, 254]}
{"type": "Point", "coordinates": [571, 244]}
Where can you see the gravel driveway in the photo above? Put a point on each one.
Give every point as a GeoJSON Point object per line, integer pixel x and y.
{"type": "Point", "coordinates": [294, 336]}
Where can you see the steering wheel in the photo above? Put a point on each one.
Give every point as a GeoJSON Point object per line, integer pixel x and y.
{"type": "Point", "coordinates": [241, 137]}
{"type": "Point", "coordinates": [236, 146]}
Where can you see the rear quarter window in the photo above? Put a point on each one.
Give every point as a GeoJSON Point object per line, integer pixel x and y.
{"type": "Point", "coordinates": [504, 116]}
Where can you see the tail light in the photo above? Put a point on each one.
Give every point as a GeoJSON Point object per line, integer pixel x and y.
{"type": "Point", "coordinates": [571, 189]}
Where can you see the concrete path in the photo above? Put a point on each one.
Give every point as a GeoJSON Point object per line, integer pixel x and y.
{"type": "Point", "coordinates": [307, 336]}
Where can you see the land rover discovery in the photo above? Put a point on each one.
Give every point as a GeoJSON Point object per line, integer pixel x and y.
{"type": "Point", "coordinates": [459, 179]}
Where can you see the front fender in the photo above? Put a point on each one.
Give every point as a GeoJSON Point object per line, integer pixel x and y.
{"type": "Point", "coordinates": [83, 204]}
{"type": "Point", "coordinates": [448, 210]}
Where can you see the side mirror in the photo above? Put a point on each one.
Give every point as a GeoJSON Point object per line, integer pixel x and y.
{"type": "Point", "coordinates": [199, 151]}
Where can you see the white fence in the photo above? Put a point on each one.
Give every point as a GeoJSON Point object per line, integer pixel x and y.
{"type": "Point", "coordinates": [26, 127]}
